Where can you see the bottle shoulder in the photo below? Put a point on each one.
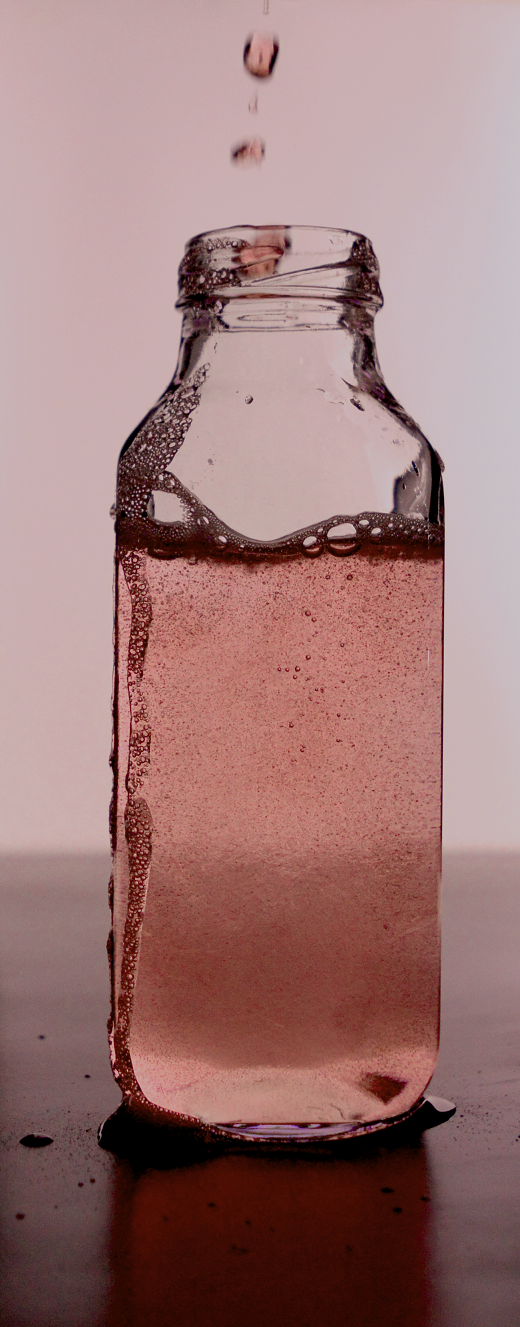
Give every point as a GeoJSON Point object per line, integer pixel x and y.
{"type": "Point", "coordinates": [272, 453]}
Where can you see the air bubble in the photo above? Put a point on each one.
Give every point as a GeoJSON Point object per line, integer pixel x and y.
{"type": "Point", "coordinates": [310, 541]}
{"type": "Point", "coordinates": [166, 508]}
{"type": "Point", "coordinates": [260, 52]}
{"type": "Point", "coordinates": [312, 550]}
{"type": "Point", "coordinates": [291, 725]}
{"type": "Point", "coordinates": [249, 400]}
{"type": "Point", "coordinates": [344, 531]}
{"type": "Point", "coordinates": [307, 612]}
{"type": "Point", "coordinates": [222, 539]}
{"type": "Point", "coordinates": [307, 656]}
{"type": "Point", "coordinates": [363, 523]}
{"type": "Point", "coordinates": [342, 548]}
{"type": "Point", "coordinates": [376, 530]}
{"type": "Point", "coordinates": [296, 668]}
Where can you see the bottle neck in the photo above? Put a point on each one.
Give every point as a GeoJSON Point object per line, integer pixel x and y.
{"type": "Point", "coordinates": [345, 333]}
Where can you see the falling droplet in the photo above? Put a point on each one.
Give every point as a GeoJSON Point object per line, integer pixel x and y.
{"type": "Point", "coordinates": [250, 153]}
{"type": "Point", "coordinates": [260, 52]}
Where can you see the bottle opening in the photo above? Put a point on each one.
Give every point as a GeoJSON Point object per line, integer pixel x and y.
{"type": "Point", "coordinates": [309, 262]}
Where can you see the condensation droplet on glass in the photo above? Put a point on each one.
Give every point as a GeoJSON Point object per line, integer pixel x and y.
{"type": "Point", "coordinates": [260, 52]}
{"type": "Point", "coordinates": [250, 153]}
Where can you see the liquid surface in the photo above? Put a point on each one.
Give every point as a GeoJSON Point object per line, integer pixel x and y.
{"type": "Point", "coordinates": [276, 904]}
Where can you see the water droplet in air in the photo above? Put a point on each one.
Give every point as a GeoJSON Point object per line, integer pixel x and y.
{"type": "Point", "coordinates": [249, 400]}
{"type": "Point", "coordinates": [260, 52]}
{"type": "Point", "coordinates": [250, 153]}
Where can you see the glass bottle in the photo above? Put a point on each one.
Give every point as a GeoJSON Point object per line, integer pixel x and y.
{"type": "Point", "coordinates": [277, 754]}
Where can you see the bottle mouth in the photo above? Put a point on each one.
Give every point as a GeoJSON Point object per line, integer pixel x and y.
{"type": "Point", "coordinates": [262, 262]}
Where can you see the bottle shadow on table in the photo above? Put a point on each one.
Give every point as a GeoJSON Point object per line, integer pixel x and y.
{"type": "Point", "coordinates": [230, 1235]}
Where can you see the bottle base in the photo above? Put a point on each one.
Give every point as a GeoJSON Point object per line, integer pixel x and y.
{"type": "Point", "coordinates": [156, 1142]}
{"type": "Point", "coordinates": [316, 1133]}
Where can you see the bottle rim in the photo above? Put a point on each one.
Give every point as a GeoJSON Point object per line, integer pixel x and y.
{"type": "Point", "coordinates": [306, 262]}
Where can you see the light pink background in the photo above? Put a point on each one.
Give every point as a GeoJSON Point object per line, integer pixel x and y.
{"type": "Point", "coordinates": [399, 118]}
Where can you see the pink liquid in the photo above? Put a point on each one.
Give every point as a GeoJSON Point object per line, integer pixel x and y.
{"type": "Point", "coordinates": [276, 902]}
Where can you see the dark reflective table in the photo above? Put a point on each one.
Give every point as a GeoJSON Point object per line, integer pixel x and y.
{"type": "Point", "coordinates": [416, 1229]}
